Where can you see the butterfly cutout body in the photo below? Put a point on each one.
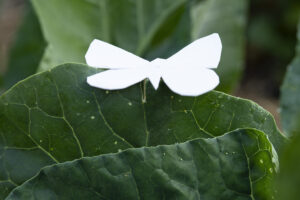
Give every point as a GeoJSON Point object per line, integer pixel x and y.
{"type": "Point", "coordinates": [188, 72]}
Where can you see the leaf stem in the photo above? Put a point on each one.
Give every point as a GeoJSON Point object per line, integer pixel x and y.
{"type": "Point", "coordinates": [144, 98]}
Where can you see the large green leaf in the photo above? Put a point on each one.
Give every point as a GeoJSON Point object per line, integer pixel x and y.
{"type": "Point", "coordinates": [137, 26]}
{"type": "Point", "coordinates": [55, 117]}
{"type": "Point", "coordinates": [27, 49]}
{"type": "Point", "coordinates": [238, 165]}
{"type": "Point", "coordinates": [228, 18]}
{"type": "Point", "coordinates": [290, 96]}
{"type": "Point", "coordinates": [147, 28]}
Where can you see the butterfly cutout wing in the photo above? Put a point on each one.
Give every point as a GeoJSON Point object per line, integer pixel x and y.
{"type": "Point", "coordinates": [103, 55]}
{"type": "Point", "coordinates": [191, 82]}
{"type": "Point", "coordinates": [117, 79]}
{"type": "Point", "coordinates": [204, 53]}
{"type": "Point", "coordinates": [186, 72]}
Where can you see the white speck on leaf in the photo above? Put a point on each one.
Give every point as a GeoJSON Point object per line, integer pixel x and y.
{"type": "Point", "coordinates": [261, 161]}
{"type": "Point", "coordinates": [271, 170]}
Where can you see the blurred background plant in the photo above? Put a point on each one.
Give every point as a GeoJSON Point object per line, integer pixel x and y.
{"type": "Point", "coordinates": [271, 41]}
{"type": "Point", "coordinates": [272, 31]}
{"type": "Point", "coordinates": [270, 44]}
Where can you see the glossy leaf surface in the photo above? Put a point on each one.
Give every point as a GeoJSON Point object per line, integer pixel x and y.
{"type": "Point", "coordinates": [238, 165]}
{"type": "Point", "coordinates": [55, 117]}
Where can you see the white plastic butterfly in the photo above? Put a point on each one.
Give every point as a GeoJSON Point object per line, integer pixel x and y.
{"type": "Point", "coordinates": [188, 72]}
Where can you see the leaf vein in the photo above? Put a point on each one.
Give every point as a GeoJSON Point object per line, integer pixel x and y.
{"type": "Point", "coordinates": [66, 120]}
{"type": "Point", "coordinates": [107, 124]}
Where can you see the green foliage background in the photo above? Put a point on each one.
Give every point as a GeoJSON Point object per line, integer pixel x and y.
{"type": "Point", "coordinates": [148, 29]}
